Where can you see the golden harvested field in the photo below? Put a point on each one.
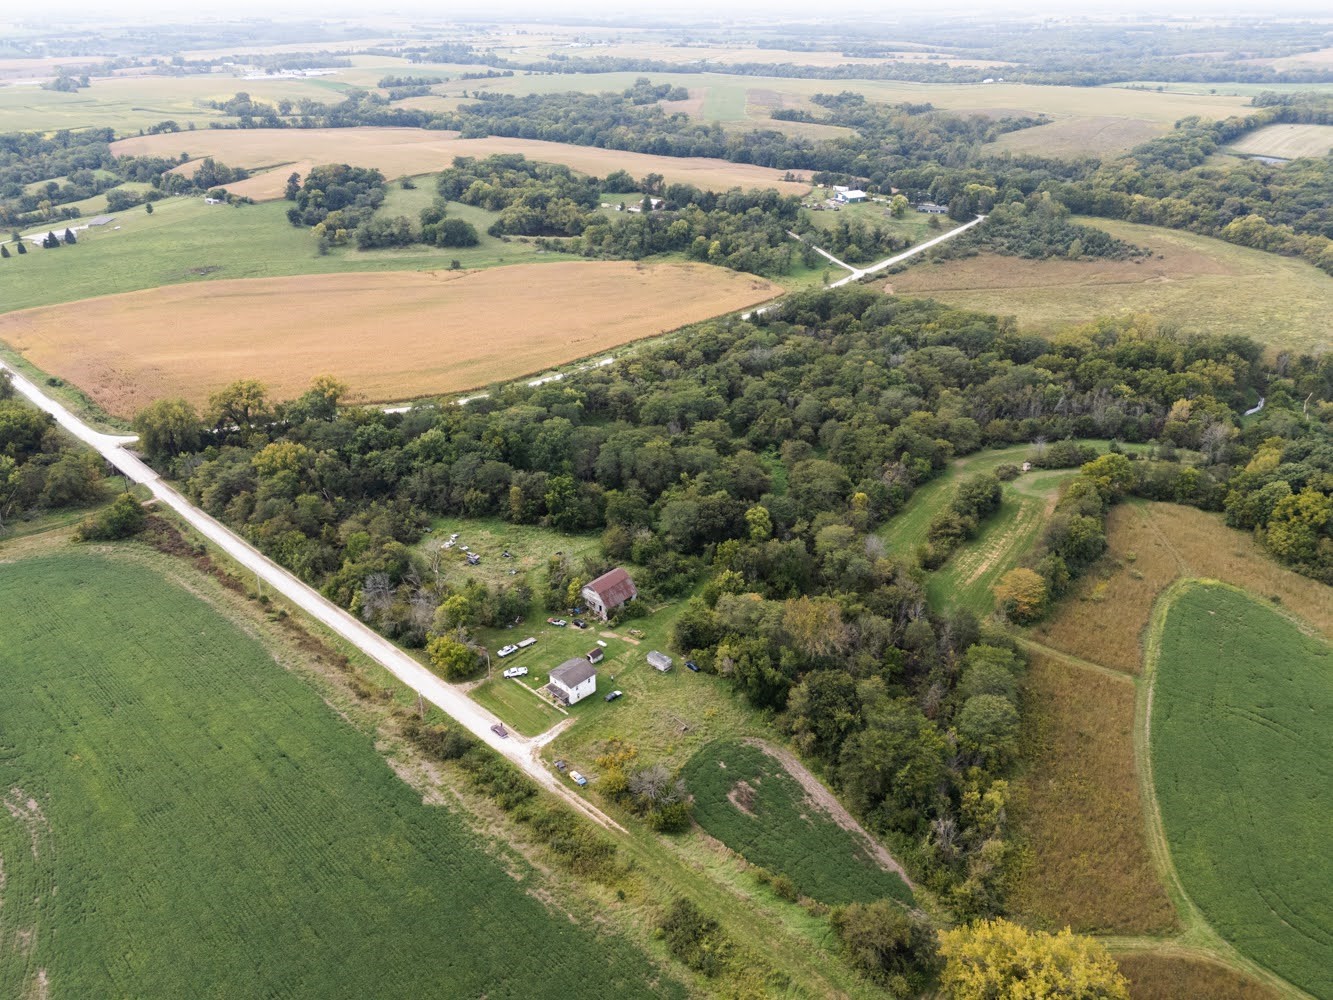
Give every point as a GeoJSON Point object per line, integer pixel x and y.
{"type": "Point", "coordinates": [390, 336]}
{"type": "Point", "coordinates": [1078, 810]}
{"type": "Point", "coordinates": [1196, 282]}
{"type": "Point", "coordinates": [398, 151]}
{"type": "Point", "coordinates": [1149, 546]}
{"type": "Point", "coordinates": [1075, 137]}
{"type": "Point", "coordinates": [1287, 142]}
{"type": "Point", "coordinates": [1159, 975]}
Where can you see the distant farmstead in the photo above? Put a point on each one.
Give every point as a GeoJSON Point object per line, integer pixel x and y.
{"type": "Point", "coordinates": [572, 681]}
{"type": "Point", "coordinates": [849, 196]}
{"type": "Point", "coordinates": [930, 208]}
{"type": "Point", "coordinates": [605, 595]}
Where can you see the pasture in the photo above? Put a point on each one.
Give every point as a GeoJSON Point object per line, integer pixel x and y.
{"type": "Point", "coordinates": [1194, 282]}
{"type": "Point", "coordinates": [1149, 545]}
{"type": "Point", "coordinates": [186, 241]}
{"type": "Point", "coordinates": [182, 810]}
{"type": "Point", "coordinates": [1072, 138]}
{"type": "Point", "coordinates": [746, 798]}
{"type": "Point", "coordinates": [1077, 808]}
{"type": "Point", "coordinates": [1241, 753]}
{"type": "Point", "coordinates": [399, 151]}
{"type": "Point", "coordinates": [390, 336]}
{"type": "Point", "coordinates": [1161, 110]}
{"type": "Point", "coordinates": [1286, 142]}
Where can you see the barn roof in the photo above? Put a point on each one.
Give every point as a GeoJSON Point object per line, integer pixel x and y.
{"type": "Point", "coordinates": [614, 588]}
{"type": "Point", "coordinates": [572, 673]}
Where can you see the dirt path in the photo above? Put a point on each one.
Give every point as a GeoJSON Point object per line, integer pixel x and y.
{"type": "Point", "coordinates": [827, 801]}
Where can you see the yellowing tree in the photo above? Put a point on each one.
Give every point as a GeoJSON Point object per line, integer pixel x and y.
{"type": "Point", "coordinates": [1022, 594]}
{"type": "Point", "coordinates": [999, 960]}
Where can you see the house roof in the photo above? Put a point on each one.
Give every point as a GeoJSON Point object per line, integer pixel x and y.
{"type": "Point", "coordinates": [572, 673]}
{"type": "Point", "coordinates": [614, 588]}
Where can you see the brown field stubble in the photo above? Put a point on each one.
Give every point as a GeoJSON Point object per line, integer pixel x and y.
{"type": "Point", "coordinates": [1161, 976]}
{"type": "Point", "coordinates": [399, 151]}
{"type": "Point", "coordinates": [1149, 546]}
{"type": "Point", "coordinates": [390, 336]}
{"type": "Point", "coordinates": [1087, 863]}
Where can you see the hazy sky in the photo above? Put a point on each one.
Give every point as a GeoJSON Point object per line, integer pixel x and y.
{"type": "Point", "coordinates": [143, 10]}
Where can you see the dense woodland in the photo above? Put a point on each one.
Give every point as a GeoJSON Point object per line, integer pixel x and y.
{"type": "Point", "coordinates": [747, 466]}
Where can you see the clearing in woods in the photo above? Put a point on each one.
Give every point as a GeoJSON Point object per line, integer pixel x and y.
{"type": "Point", "coordinates": [1194, 282]}
{"type": "Point", "coordinates": [390, 336]}
{"type": "Point", "coordinates": [1241, 751]}
{"type": "Point", "coordinates": [180, 809]}
{"type": "Point", "coordinates": [967, 577]}
{"type": "Point", "coordinates": [1286, 142]}
{"type": "Point", "coordinates": [746, 798]}
{"type": "Point", "coordinates": [399, 151]}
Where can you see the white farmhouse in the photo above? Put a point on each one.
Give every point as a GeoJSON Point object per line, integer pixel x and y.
{"type": "Point", "coordinates": [573, 681]}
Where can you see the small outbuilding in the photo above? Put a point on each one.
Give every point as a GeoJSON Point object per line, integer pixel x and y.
{"type": "Point", "coordinates": [572, 681]}
{"type": "Point", "coordinates": [605, 595]}
{"type": "Point", "coordinates": [659, 661]}
{"type": "Point", "coordinates": [595, 655]}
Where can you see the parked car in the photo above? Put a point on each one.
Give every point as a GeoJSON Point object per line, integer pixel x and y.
{"type": "Point", "coordinates": [557, 622]}
{"type": "Point", "coordinates": [577, 778]}
{"type": "Point", "coordinates": [504, 651]}
{"type": "Point", "coordinates": [579, 623]}
{"type": "Point", "coordinates": [500, 731]}
{"type": "Point", "coordinates": [692, 665]}
{"type": "Point", "coordinates": [560, 765]}
{"type": "Point", "coordinates": [516, 672]}
{"type": "Point", "coordinates": [614, 695]}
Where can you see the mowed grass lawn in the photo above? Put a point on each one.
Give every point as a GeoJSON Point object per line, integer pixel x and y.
{"type": "Point", "coordinates": [186, 818]}
{"type": "Point", "coordinates": [745, 798]}
{"type": "Point", "coordinates": [1242, 761]}
{"type": "Point", "coordinates": [1194, 282]}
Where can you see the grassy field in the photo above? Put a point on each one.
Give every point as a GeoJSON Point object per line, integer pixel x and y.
{"type": "Point", "coordinates": [1194, 282]}
{"type": "Point", "coordinates": [181, 810]}
{"type": "Point", "coordinates": [1076, 137]}
{"type": "Point", "coordinates": [130, 103]}
{"type": "Point", "coordinates": [1287, 142]}
{"type": "Point", "coordinates": [1078, 813]}
{"type": "Point", "coordinates": [1240, 756]}
{"type": "Point", "coordinates": [745, 798]}
{"type": "Point", "coordinates": [1150, 545]}
{"type": "Point", "coordinates": [186, 241]}
{"type": "Point", "coordinates": [399, 151]}
{"type": "Point", "coordinates": [389, 336]}
{"type": "Point", "coordinates": [966, 578]}
{"type": "Point", "coordinates": [1159, 109]}
{"type": "Point", "coordinates": [1157, 975]}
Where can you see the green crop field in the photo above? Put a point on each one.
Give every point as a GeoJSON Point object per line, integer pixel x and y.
{"type": "Point", "coordinates": [1195, 283]}
{"type": "Point", "coordinates": [185, 817]}
{"type": "Point", "coordinates": [745, 798]}
{"type": "Point", "coordinates": [1242, 763]}
{"type": "Point", "coordinates": [185, 240]}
